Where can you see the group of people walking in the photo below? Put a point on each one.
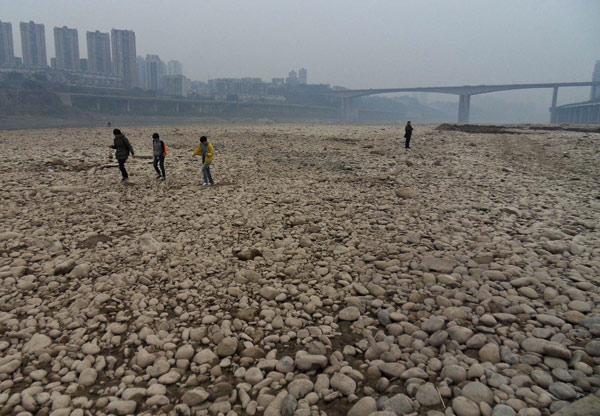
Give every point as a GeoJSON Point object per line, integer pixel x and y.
{"type": "Point", "coordinates": [123, 149]}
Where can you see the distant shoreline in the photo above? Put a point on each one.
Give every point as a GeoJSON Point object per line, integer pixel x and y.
{"type": "Point", "coordinates": [22, 122]}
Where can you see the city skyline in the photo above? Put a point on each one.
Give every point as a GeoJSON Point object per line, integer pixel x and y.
{"type": "Point", "coordinates": [401, 45]}
{"type": "Point", "coordinates": [66, 48]}
{"type": "Point", "coordinates": [147, 73]}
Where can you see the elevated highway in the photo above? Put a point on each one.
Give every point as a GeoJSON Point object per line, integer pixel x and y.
{"type": "Point", "coordinates": [113, 102]}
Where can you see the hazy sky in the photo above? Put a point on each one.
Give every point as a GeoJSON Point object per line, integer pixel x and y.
{"type": "Point", "coordinates": [357, 44]}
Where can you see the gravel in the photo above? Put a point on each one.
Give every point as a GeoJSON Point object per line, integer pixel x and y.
{"type": "Point", "coordinates": [328, 271]}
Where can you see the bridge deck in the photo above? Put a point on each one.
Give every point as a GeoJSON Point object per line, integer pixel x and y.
{"type": "Point", "coordinates": [458, 90]}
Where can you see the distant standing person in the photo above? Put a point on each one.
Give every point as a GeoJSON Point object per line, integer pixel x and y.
{"type": "Point", "coordinates": [407, 133]}
{"type": "Point", "coordinates": [123, 149]}
{"type": "Point", "coordinates": [207, 151]}
{"type": "Point", "coordinates": [160, 151]}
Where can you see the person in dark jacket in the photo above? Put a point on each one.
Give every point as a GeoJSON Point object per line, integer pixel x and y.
{"type": "Point", "coordinates": [123, 149]}
{"type": "Point", "coordinates": [407, 133]}
{"type": "Point", "coordinates": [160, 151]}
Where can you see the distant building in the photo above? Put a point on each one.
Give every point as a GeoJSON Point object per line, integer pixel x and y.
{"type": "Point", "coordinates": [83, 64]}
{"type": "Point", "coordinates": [595, 93]}
{"type": "Point", "coordinates": [18, 61]}
{"type": "Point", "coordinates": [302, 76]}
{"type": "Point", "coordinates": [53, 63]}
{"type": "Point", "coordinates": [245, 88]}
{"type": "Point", "coordinates": [176, 85]}
{"type": "Point", "coordinates": [221, 86]}
{"type": "Point", "coordinates": [141, 72]}
{"type": "Point", "coordinates": [278, 82]}
{"type": "Point", "coordinates": [156, 69]}
{"type": "Point", "coordinates": [7, 52]}
{"type": "Point", "coordinates": [33, 43]}
{"type": "Point", "coordinates": [252, 87]}
{"type": "Point", "coordinates": [66, 44]}
{"type": "Point", "coordinates": [124, 56]}
{"type": "Point", "coordinates": [292, 79]}
{"type": "Point", "coordinates": [200, 88]}
{"type": "Point", "coordinates": [174, 68]}
{"type": "Point", "coordinates": [98, 50]}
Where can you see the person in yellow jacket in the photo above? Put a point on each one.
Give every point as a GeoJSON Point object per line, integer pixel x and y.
{"type": "Point", "coordinates": [207, 151]}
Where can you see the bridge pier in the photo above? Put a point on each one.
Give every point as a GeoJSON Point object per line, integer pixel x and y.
{"type": "Point", "coordinates": [553, 119]}
{"type": "Point", "coordinates": [347, 109]}
{"type": "Point", "coordinates": [554, 96]}
{"type": "Point", "coordinates": [464, 106]}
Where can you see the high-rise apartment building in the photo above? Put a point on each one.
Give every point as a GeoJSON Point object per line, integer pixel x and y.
{"type": "Point", "coordinates": [302, 76]}
{"type": "Point", "coordinates": [174, 68]}
{"type": "Point", "coordinates": [7, 52]}
{"type": "Point", "coordinates": [141, 73]}
{"type": "Point", "coordinates": [155, 70]}
{"type": "Point", "coordinates": [98, 50]}
{"type": "Point", "coordinates": [33, 43]}
{"type": "Point", "coordinates": [124, 57]}
{"type": "Point", "coordinates": [596, 78]}
{"type": "Point", "coordinates": [66, 44]}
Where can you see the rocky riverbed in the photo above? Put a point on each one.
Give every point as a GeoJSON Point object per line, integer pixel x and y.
{"type": "Point", "coordinates": [328, 272]}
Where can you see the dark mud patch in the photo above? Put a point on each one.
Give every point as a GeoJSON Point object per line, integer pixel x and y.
{"type": "Point", "coordinates": [477, 128]}
{"type": "Point", "coordinates": [514, 129]}
{"type": "Point", "coordinates": [563, 127]}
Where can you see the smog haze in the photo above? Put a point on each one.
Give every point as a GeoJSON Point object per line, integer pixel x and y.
{"type": "Point", "coordinates": [354, 44]}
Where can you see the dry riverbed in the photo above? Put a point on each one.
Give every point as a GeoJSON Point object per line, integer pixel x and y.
{"type": "Point", "coordinates": [327, 272]}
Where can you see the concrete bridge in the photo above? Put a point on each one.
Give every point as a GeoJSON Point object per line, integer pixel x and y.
{"type": "Point", "coordinates": [116, 102]}
{"type": "Point", "coordinates": [464, 92]}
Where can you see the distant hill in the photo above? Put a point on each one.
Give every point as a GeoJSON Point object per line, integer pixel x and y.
{"type": "Point", "coordinates": [31, 102]}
